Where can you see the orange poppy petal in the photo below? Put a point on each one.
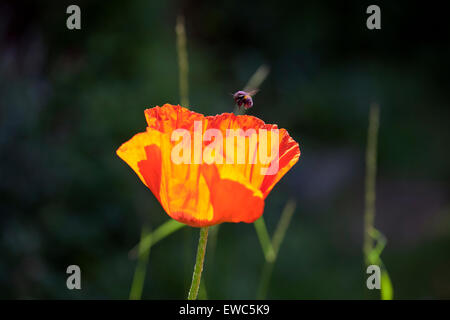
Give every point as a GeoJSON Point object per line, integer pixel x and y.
{"type": "Point", "coordinates": [201, 194]}
{"type": "Point", "coordinates": [140, 148]}
{"type": "Point", "coordinates": [230, 201]}
{"type": "Point", "coordinates": [289, 151]}
{"type": "Point", "coordinates": [169, 117]}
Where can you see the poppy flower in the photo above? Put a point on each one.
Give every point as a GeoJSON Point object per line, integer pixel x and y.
{"type": "Point", "coordinates": [209, 170]}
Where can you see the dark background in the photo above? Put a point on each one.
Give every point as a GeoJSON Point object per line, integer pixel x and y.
{"type": "Point", "coordinates": [69, 98]}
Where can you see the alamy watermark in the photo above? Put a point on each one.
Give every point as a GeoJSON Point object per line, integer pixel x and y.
{"type": "Point", "coordinates": [74, 20]}
{"type": "Point", "coordinates": [74, 280]}
{"type": "Point", "coordinates": [374, 280]}
{"type": "Point", "coordinates": [374, 20]}
{"type": "Point", "coordinates": [259, 151]}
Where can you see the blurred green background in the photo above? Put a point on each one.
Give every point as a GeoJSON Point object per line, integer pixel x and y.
{"type": "Point", "coordinates": [68, 99]}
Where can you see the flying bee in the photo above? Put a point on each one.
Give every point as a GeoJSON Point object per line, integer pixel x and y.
{"type": "Point", "coordinates": [244, 98]}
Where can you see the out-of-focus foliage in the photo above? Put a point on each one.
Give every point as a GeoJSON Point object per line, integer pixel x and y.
{"type": "Point", "coordinates": [68, 99]}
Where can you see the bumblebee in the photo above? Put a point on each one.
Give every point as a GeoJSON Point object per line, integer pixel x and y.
{"type": "Point", "coordinates": [244, 98]}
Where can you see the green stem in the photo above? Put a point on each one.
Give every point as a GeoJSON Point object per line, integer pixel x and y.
{"type": "Point", "coordinates": [152, 238]}
{"type": "Point", "coordinates": [257, 78]}
{"type": "Point", "coordinates": [197, 275]}
{"type": "Point", "coordinates": [277, 239]}
{"type": "Point", "coordinates": [265, 280]}
{"type": "Point", "coordinates": [264, 239]}
{"type": "Point", "coordinates": [283, 224]}
{"type": "Point", "coordinates": [182, 61]}
{"type": "Point", "coordinates": [371, 170]}
{"type": "Point", "coordinates": [139, 274]}
{"type": "Point", "coordinates": [374, 240]}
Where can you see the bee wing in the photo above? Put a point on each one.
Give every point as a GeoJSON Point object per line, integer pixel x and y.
{"type": "Point", "coordinates": [252, 92]}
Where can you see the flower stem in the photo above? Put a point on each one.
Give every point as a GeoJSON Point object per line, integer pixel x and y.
{"type": "Point", "coordinates": [371, 170]}
{"type": "Point", "coordinates": [139, 274]}
{"type": "Point", "coordinates": [182, 61]}
{"type": "Point", "coordinates": [264, 239]}
{"type": "Point", "coordinates": [152, 238]}
{"type": "Point", "coordinates": [197, 275]}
